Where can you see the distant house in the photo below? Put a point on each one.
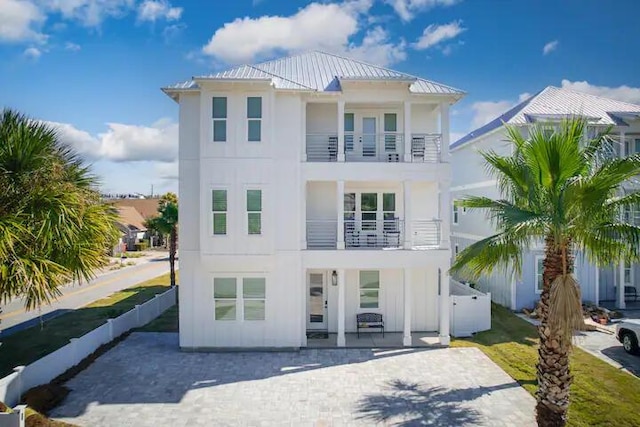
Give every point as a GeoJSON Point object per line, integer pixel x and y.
{"type": "Point", "coordinates": [148, 208]}
{"type": "Point", "coordinates": [131, 223]}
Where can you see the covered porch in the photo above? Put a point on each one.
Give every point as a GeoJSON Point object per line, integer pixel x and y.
{"type": "Point", "coordinates": [375, 340]}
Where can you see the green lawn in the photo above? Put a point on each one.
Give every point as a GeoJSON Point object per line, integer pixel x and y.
{"type": "Point", "coordinates": [166, 322]}
{"type": "Point", "coordinates": [31, 344]}
{"type": "Point", "coordinates": [601, 395]}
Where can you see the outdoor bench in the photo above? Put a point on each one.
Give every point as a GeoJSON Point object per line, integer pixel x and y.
{"type": "Point", "coordinates": [369, 320]}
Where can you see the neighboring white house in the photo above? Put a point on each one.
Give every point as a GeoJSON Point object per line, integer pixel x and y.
{"type": "Point", "coordinates": [470, 178]}
{"type": "Point", "coordinates": [312, 188]}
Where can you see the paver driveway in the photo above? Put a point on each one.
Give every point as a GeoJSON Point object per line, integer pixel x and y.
{"type": "Point", "coordinates": [147, 381]}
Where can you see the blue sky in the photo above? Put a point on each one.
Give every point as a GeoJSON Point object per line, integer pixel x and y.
{"type": "Point", "coordinates": [94, 67]}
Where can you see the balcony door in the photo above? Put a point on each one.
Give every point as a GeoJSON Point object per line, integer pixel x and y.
{"type": "Point", "coordinates": [369, 128]}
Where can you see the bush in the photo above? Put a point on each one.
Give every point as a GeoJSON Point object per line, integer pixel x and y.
{"type": "Point", "coordinates": [142, 246]}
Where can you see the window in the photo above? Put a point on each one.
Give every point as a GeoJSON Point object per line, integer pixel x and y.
{"type": "Point", "coordinates": [224, 294]}
{"type": "Point", "coordinates": [254, 211]}
{"type": "Point", "coordinates": [219, 208]}
{"type": "Point", "coordinates": [253, 298]}
{"type": "Point", "coordinates": [390, 129]}
{"type": "Point", "coordinates": [254, 118]}
{"type": "Point", "coordinates": [632, 146]}
{"type": "Point", "coordinates": [455, 212]}
{"type": "Point", "coordinates": [349, 125]}
{"type": "Point", "coordinates": [219, 110]}
{"type": "Point", "coordinates": [349, 206]}
{"type": "Point", "coordinates": [369, 207]}
{"type": "Point", "coordinates": [627, 273]}
{"type": "Point", "coordinates": [539, 265]}
{"type": "Point", "coordinates": [369, 289]}
{"type": "Point", "coordinates": [456, 249]}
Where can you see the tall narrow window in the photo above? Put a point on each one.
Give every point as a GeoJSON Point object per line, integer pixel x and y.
{"type": "Point", "coordinates": [254, 211]}
{"type": "Point", "coordinates": [627, 273]}
{"type": "Point", "coordinates": [219, 114]}
{"type": "Point", "coordinates": [254, 118]}
{"type": "Point", "coordinates": [455, 212]}
{"type": "Point", "coordinates": [369, 208]}
{"type": "Point", "coordinates": [349, 126]}
{"type": "Point", "coordinates": [539, 260]}
{"type": "Point", "coordinates": [253, 296]}
{"type": "Point", "coordinates": [219, 208]}
{"type": "Point", "coordinates": [225, 296]}
{"type": "Point", "coordinates": [369, 289]}
{"type": "Point", "coordinates": [390, 131]}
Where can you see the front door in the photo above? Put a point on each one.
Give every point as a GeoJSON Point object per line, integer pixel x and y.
{"type": "Point", "coordinates": [317, 301]}
{"type": "Point", "coordinates": [368, 136]}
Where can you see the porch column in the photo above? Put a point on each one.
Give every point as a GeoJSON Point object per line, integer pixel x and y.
{"type": "Point", "coordinates": [303, 307]}
{"type": "Point", "coordinates": [444, 130]}
{"type": "Point", "coordinates": [407, 131]}
{"type": "Point", "coordinates": [304, 131]}
{"type": "Point", "coordinates": [303, 216]}
{"type": "Point", "coordinates": [341, 341]}
{"type": "Point", "coordinates": [341, 131]}
{"type": "Point", "coordinates": [444, 305]}
{"type": "Point", "coordinates": [597, 284]}
{"type": "Point", "coordinates": [406, 188]}
{"type": "Point", "coordinates": [620, 288]}
{"type": "Point", "coordinates": [444, 213]}
{"type": "Point", "coordinates": [340, 206]}
{"type": "Point", "coordinates": [406, 335]}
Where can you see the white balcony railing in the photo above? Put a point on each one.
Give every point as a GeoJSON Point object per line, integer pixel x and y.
{"type": "Point", "coordinates": [380, 147]}
{"type": "Point", "coordinates": [373, 234]}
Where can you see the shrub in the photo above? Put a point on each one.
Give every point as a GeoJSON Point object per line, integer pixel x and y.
{"type": "Point", "coordinates": [142, 246]}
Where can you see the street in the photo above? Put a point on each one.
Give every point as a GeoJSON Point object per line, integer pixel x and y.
{"type": "Point", "coordinates": [15, 318]}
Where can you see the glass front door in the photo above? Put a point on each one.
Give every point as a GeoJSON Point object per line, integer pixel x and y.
{"type": "Point", "coordinates": [368, 136]}
{"type": "Point", "coordinates": [317, 301]}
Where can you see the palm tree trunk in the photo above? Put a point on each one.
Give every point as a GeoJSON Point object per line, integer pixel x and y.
{"type": "Point", "coordinates": [554, 377]}
{"type": "Point", "coordinates": [173, 240]}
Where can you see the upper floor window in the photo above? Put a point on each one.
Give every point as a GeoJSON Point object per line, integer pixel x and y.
{"type": "Point", "coordinates": [632, 146]}
{"type": "Point", "coordinates": [390, 129]}
{"type": "Point", "coordinates": [254, 118]}
{"type": "Point", "coordinates": [254, 211]}
{"type": "Point", "coordinates": [455, 212]}
{"type": "Point", "coordinates": [349, 127]}
{"type": "Point", "coordinates": [539, 260]}
{"type": "Point", "coordinates": [219, 208]}
{"type": "Point", "coordinates": [219, 114]}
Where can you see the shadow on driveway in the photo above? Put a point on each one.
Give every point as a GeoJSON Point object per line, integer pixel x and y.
{"type": "Point", "coordinates": [628, 361]}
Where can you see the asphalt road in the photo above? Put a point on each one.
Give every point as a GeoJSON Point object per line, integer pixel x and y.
{"type": "Point", "coordinates": [15, 318]}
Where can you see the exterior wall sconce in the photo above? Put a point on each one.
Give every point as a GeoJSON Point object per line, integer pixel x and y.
{"type": "Point", "coordinates": [334, 278]}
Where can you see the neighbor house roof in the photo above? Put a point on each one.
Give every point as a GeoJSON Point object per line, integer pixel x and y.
{"type": "Point", "coordinates": [148, 208]}
{"type": "Point", "coordinates": [318, 72]}
{"type": "Point", "coordinates": [554, 103]}
{"type": "Point", "coordinates": [130, 218]}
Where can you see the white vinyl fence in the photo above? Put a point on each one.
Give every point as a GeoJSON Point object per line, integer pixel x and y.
{"type": "Point", "coordinates": [50, 366]}
{"type": "Point", "coordinates": [470, 310]}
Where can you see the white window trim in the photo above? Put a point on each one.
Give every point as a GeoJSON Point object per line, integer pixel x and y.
{"type": "Point", "coordinates": [379, 308]}
{"type": "Point", "coordinates": [261, 119]}
{"type": "Point", "coordinates": [538, 258]}
{"type": "Point", "coordinates": [240, 295]}
{"type": "Point", "coordinates": [225, 119]}
{"type": "Point", "coordinates": [246, 209]}
{"type": "Point", "coordinates": [211, 212]}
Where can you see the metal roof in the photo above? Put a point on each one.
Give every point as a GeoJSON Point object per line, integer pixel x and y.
{"type": "Point", "coordinates": [552, 103]}
{"type": "Point", "coordinates": [320, 72]}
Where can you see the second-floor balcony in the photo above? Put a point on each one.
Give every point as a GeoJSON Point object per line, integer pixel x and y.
{"type": "Point", "coordinates": [388, 147]}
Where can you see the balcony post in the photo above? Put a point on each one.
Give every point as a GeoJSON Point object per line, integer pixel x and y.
{"type": "Point", "coordinates": [444, 212]}
{"type": "Point", "coordinates": [303, 208]}
{"type": "Point", "coordinates": [340, 210]}
{"type": "Point", "coordinates": [304, 131]}
{"type": "Point", "coordinates": [406, 187]}
{"type": "Point", "coordinates": [444, 131]}
{"type": "Point", "coordinates": [341, 308]}
{"type": "Point", "coordinates": [407, 131]}
{"type": "Point", "coordinates": [341, 131]}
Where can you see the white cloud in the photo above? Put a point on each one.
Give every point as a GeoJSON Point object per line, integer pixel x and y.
{"type": "Point", "coordinates": [124, 143]}
{"type": "Point", "coordinates": [73, 47]}
{"type": "Point", "coordinates": [322, 26]}
{"type": "Point", "coordinates": [90, 13]}
{"type": "Point", "coordinates": [550, 47]}
{"type": "Point", "coordinates": [19, 21]}
{"type": "Point", "coordinates": [621, 93]}
{"type": "Point", "coordinates": [486, 111]}
{"type": "Point", "coordinates": [32, 53]}
{"type": "Point", "coordinates": [436, 34]}
{"type": "Point", "coordinates": [524, 96]}
{"type": "Point", "coordinates": [152, 10]}
{"type": "Point", "coordinates": [407, 9]}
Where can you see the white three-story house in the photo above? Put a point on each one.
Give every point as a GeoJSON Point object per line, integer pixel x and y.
{"type": "Point", "coordinates": [312, 188]}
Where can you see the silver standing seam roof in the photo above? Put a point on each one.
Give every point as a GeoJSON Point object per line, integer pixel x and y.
{"type": "Point", "coordinates": [552, 103]}
{"type": "Point", "coordinates": [318, 72]}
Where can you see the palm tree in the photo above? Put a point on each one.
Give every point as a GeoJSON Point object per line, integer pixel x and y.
{"type": "Point", "coordinates": [558, 188]}
{"type": "Point", "coordinates": [167, 223]}
{"type": "Point", "coordinates": [53, 226]}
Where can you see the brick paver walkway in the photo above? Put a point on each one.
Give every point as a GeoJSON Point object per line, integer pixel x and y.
{"type": "Point", "coordinates": [147, 381]}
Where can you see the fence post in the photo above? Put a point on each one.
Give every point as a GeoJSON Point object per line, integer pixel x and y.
{"type": "Point", "coordinates": [74, 350]}
{"type": "Point", "coordinates": [110, 323]}
{"type": "Point", "coordinates": [18, 370]}
{"type": "Point", "coordinates": [157, 298]}
{"type": "Point", "coordinates": [137, 315]}
{"type": "Point", "coordinates": [21, 410]}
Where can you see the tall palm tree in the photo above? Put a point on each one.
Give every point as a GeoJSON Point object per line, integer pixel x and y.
{"type": "Point", "coordinates": [53, 226]}
{"type": "Point", "coordinates": [559, 189]}
{"type": "Point", "coordinates": [166, 223]}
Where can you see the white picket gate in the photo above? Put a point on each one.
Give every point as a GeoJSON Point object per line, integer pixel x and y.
{"type": "Point", "coordinates": [470, 310]}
